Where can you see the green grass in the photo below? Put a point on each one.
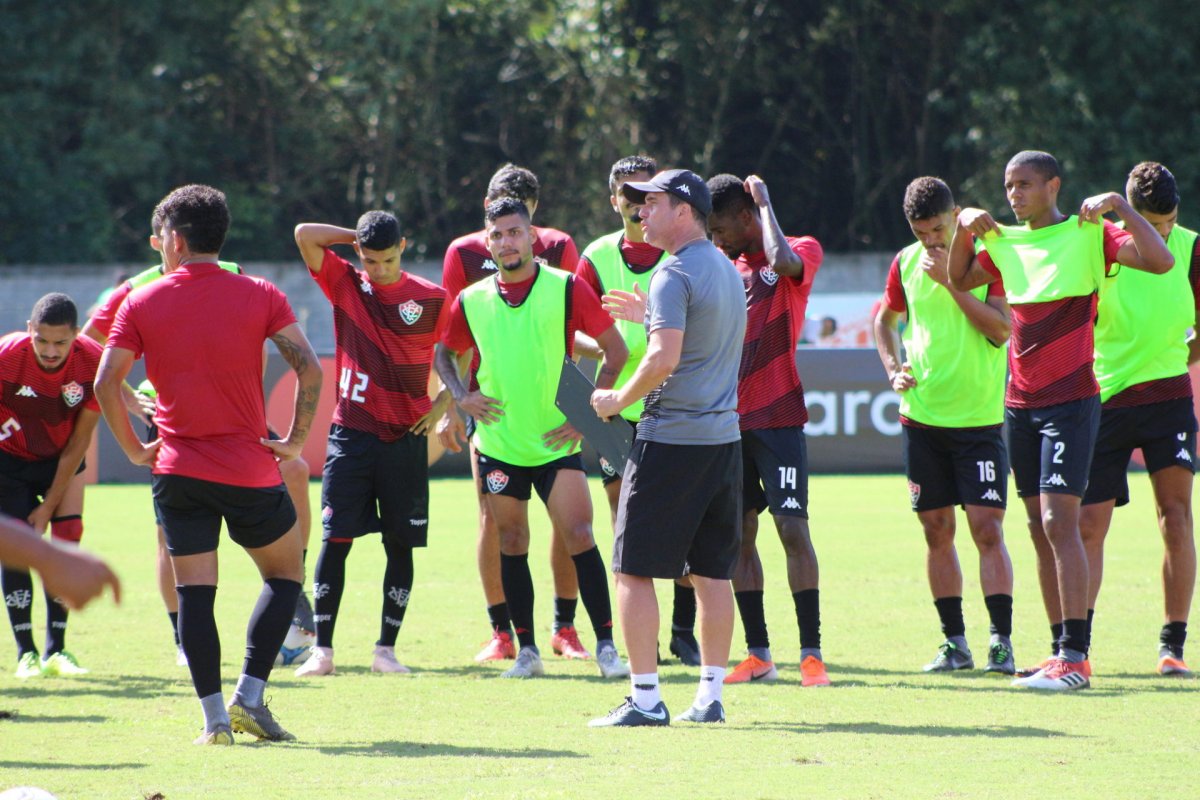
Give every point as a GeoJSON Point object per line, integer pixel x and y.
{"type": "Point", "coordinates": [453, 730]}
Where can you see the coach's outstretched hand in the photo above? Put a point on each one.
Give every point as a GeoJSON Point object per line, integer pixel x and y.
{"type": "Point", "coordinates": [629, 306]}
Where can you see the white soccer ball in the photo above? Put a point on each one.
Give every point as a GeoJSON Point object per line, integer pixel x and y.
{"type": "Point", "coordinates": [296, 647]}
{"type": "Point", "coordinates": [26, 793]}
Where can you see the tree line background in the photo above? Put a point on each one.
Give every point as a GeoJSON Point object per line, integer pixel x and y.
{"type": "Point", "coordinates": [305, 110]}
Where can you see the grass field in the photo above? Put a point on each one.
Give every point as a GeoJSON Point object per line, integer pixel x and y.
{"type": "Point", "coordinates": [452, 729]}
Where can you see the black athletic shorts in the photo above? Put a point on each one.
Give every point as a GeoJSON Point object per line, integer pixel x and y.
{"type": "Point", "coordinates": [23, 483]}
{"type": "Point", "coordinates": [680, 511]}
{"type": "Point", "coordinates": [1165, 432]}
{"type": "Point", "coordinates": [955, 467]}
{"type": "Point", "coordinates": [509, 480]}
{"type": "Point", "coordinates": [607, 473]}
{"type": "Point", "coordinates": [1051, 448]}
{"type": "Point", "coordinates": [775, 471]}
{"type": "Point", "coordinates": [191, 511]}
{"type": "Point", "coordinates": [369, 485]}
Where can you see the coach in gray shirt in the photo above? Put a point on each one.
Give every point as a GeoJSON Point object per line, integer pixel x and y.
{"type": "Point", "coordinates": [680, 510]}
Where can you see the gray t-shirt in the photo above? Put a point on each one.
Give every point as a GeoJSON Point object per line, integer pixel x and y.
{"type": "Point", "coordinates": [697, 291]}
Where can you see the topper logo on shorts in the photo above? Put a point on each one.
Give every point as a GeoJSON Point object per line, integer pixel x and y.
{"type": "Point", "coordinates": [496, 481]}
{"type": "Point", "coordinates": [410, 312]}
{"type": "Point", "coordinates": [770, 277]}
{"type": "Point", "coordinates": [72, 394]}
{"type": "Point", "coordinates": [914, 492]}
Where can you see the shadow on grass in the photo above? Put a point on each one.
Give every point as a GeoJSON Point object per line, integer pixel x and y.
{"type": "Point", "coordinates": [937, 731]}
{"type": "Point", "coordinates": [58, 765]}
{"type": "Point", "coordinates": [399, 749]}
{"type": "Point", "coordinates": [39, 718]}
{"type": "Point", "coordinates": [131, 687]}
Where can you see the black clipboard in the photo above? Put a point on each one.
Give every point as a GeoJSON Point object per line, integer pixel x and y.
{"type": "Point", "coordinates": [612, 439]}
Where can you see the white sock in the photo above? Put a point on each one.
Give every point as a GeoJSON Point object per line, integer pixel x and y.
{"type": "Point", "coordinates": [645, 691]}
{"type": "Point", "coordinates": [711, 681]}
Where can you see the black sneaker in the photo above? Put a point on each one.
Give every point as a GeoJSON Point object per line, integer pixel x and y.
{"type": "Point", "coordinates": [627, 715]}
{"type": "Point", "coordinates": [713, 712]}
{"type": "Point", "coordinates": [685, 647]}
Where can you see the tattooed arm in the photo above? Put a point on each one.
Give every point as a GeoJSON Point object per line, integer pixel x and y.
{"type": "Point", "coordinates": [298, 353]}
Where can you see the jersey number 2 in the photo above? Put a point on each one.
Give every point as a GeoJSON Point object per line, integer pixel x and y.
{"type": "Point", "coordinates": [355, 392]}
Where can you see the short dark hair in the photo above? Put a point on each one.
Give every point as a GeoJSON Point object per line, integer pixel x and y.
{"type": "Point", "coordinates": [55, 308]}
{"type": "Point", "coordinates": [199, 214]}
{"type": "Point", "coordinates": [1043, 163]}
{"type": "Point", "coordinates": [926, 198]}
{"type": "Point", "coordinates": [505, 206]}
{"type": "Point", "coordinates": [1151, 187]}
{"type": "Point", "coordinates": [377, 230]}
{"type": "Point", "coordinates": [630, 165]}
{"type": "Point", "coordinates": [513, 181]}
{"type": "Point", "coordinates": [156, 220]}
{"type": "Point", "coordinates": [729, 194]}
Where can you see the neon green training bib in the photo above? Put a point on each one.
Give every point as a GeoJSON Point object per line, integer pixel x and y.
{"type": "Point", "coordinates": [1048, 264]}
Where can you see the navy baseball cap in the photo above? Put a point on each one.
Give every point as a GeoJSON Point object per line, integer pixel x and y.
{"type": "Point", "coordinates": [683, 183]}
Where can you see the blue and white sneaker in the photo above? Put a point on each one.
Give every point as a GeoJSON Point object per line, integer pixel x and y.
{"type": "Point", "coordinates": [627, 715]}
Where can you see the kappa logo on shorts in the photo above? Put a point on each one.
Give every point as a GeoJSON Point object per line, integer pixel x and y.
{"type": "Point", "coordinates": [26, 391]}
{"type": "Point", "coordinates": [791, 502]}
{"type": "Point", "coordinates": [914, 492]}
{"type": "Point", "coordinates": [991, 494]}
{"type": "Point", "coordinates": [1056, 480]}
{"type": "Point", "coordinates": [72, 394]}
{"type": "Point", "coordinates": [489, 264]}
{"type": "Point", "coordinates": [496, 481]}
{"type": "Point", "coordinates": [21, 598]}
{"type": "Point", "coordinates": [411, 311]}
{"type": "Point", "coordinates": [770, 277]}
{"type": "Point", "coordinates": [606, 467]}
{"type": "Point", "coordinates": [326, 514]}
{"type": "Point", "coordinates": [1183, 455]}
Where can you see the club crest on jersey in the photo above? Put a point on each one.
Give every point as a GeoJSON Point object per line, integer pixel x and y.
{"type": "Point", "coordinates": [496, 481]}
{"type": "Point", "coordinates": [72, 394]}
{"type": "Point", "coordinates": [410, 312]}
{"type": "Point", "coordinates": [914, 492]}
{"type": "Point", "coordinates": [770, 277]}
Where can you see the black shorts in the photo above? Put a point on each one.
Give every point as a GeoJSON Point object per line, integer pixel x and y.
{"type": "Point", "coordinates": [1051, 448]}
{"type": "Point", "coordinates": [369, 485]}
{"type": "Point", "coordinates": [23, 483]}
{"type": "Point", "coordinates": [509, 480]}
{"type": "Point", "coordinates": [680, 511]}
{"type": "Point", "coordinates": [955, 467]}
{"type": "Point", "coordinates": [191, 511]}
{"type": "Point", "coordinates": [607, 473]}
{"type": "Point", "coordinates": [1165, 432]}
{"type": "Point", "coordinates": [775, 471]}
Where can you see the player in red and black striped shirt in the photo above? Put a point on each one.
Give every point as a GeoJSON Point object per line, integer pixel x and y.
{"type": "Point", "coordinates": [468, 260]}
{"type": "Point", "coordinates": [48, 411]}
{"type": "Point", "coordinates": [778, 273]}
{"type": "Point", "coordinates": [376, 475]}
{"type": "Point", "coordinates": [1053, 403]}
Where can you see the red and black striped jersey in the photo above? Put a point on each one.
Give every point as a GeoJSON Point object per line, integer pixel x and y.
{"type": "Point", "coordinates": [38, 409]}
{"type": "Point", "coordinates": [384, 338]}
{"type": "Point", "coordinates": [770, 394]}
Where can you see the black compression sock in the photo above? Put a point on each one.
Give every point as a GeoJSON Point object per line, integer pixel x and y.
{"type": "Point", "coordinates": [174, 617]}
{"type": "Point", "coordinates": [268, 626]}
{"type": "Point", "coordinates": [198, 633]}
{"type": "Point", "coordinates": [564, 612]}
{"type": "Point", "coordinates": [754, 619]}
{"type": "Point", "coordinates": [808, 617]}
{"type": "Point", "coordinates": [501, 621]}
{"type": "Point", "coordinates": [593, 588]}
{"type": "Point", "coordinates": [518, 590]}
{"type": "Point", "coordinates": [1090, 616]}
{"type": "Point", "coordinates": [1174, 636]}
{"type": "Point", "coordinates": [1074, 636]}
{"type": "Point", "coordinates": [328, 583]}
{"type": "Point", "coordinates": [683, 616]}
{"type": "Point", "coordinates": [1056, 635]}
{"type": "Point", "coordinates": [18, 597]}
{"type": "Point", "coordinates": [999, 607]}
{"type": "Point", "coordinates": [950, 613]}
{"type": "Point", "coordinates": [56, 627]}
{"type": "Point", "coordinates": [397, 588]}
